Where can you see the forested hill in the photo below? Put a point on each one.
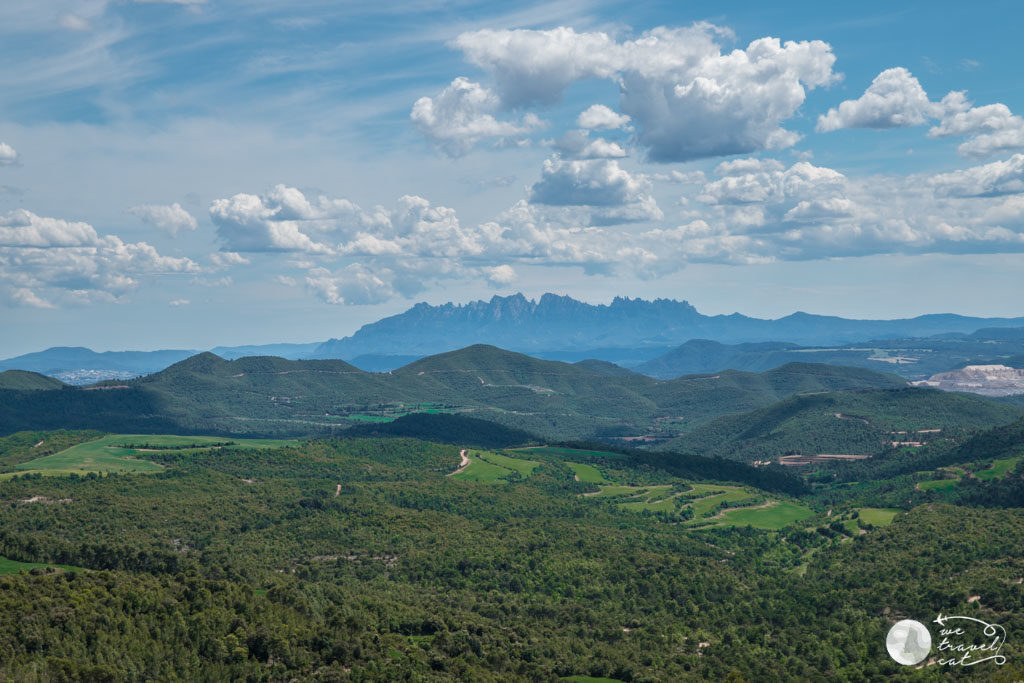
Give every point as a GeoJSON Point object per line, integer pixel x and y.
{"type": "Point", "coordinates": [853, 422]}
{"type": "Point", "coordinates": [22, 380]}
{"type": "Point", "coordinates": [562, 323]}
{"type": "Point", "coordinates": [267, 395]}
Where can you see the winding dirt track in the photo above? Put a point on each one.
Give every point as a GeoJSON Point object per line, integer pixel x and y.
{"type": "Point", "coordinates": [463, 464]}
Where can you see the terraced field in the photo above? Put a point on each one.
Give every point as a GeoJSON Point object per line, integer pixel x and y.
{"type": "Point", "coordinates": [701, 500]}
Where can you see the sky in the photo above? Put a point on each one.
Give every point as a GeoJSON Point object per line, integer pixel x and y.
{"type": "Point", "coordinates": [189, 173]}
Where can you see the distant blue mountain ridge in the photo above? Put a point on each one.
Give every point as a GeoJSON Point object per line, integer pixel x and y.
{"type": "Point", "coordinates": [626, 331]}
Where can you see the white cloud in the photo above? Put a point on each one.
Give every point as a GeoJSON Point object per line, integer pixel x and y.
{"type": "Point", "coordinates": [8, 155]}
{"type": "Point", "coordinates": [178, 302]}
{"type": "Point", "coordinates": [247, 222]}
{"type": "Point", "coordinates": [587, 183]}
{"type": "Point", "coordinates": [990, 129]}
{"type": "Point", "coordinates": [600, 117]}
{"type": "Point", "coordinates": [688, 98]}
{"type": "Point", "coordinates": [22, 296]}
{"type": "Point", "coordinates": [226, 259]}
{"type": "Point", "coordinates": [989, 180]}
{"type": "Point", "coordinates": [170, 219]}
{"type": "Point", "coordinates": [894, 99]}
{"type": "Point", "coordinates": [22, 228]}
{"type": "Point", "coordinates": [354, 285]}
{"type": "Point", "coordinates": [500, 276]}
{"type": "Point", "coordinates": [751, 181]}
{"type": "Point", "coordinates": [576, 144]}
{"type": "Point", "coordinates": [462, 115]}
{"type": "Point", "coordinates": [68, 263]}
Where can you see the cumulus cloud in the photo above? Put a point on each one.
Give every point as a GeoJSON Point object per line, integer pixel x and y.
{"type": "Point", "coordinates": [23, 228]}
{"type": "Point", "coordinates": [991, 129]}
{"type": "Point", "coordinates": [747, 210]}
{"type": "Point", "coordinates": [587, 183]}
{"type": "Point", "coordinates": [688, 98]}
{"type": "Point", "coordinates": [462, 115]}
{"type": "Point", "coordinates": [990, 180]}
{"type": "Point", "coordinates": [170, 219]}
{"type": "Point", "coordinates": [247, 222]}
{"type": "Point", "coordinates": [354, 285]}
{"type": "Point", "coordinates": [576, 144]}
{"type": "Point", "coordinates": [600, 117]}
{"type": "Point", "coordinates": [8, 155]}
{"type": "Point", "coordinates": [68, 262]}
{"type": "Point", "coordinates": [894, 99]}
{"type": "Point", "coordinates": [500, 276]}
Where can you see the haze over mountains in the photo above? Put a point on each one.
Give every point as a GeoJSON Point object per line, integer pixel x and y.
{"type": "Point", "coordinates": [634, 333]}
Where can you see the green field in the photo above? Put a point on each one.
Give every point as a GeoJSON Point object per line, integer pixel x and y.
{"type": "Point", "coordinates": [731, 494]}
{"type": "Point", "coordinates": [560, 452]}
{"type": "Point", "coordinates": [878, 516]}
{"type": "Point", "coordinates": [999, 468]}
{"type": "Point", "coordinates": [938, 485]}
{"type": "Point", "coordinates": [122, 453]}
{"type": "Point", "coordinates": [654, 503]}
{"type": "Point", "coordinates": [639, 492]}
{"type": "Point", "coordinates": [774, 516]}
{"type": "Point", "coordinates": [490, 467]}
{"type": "Point", "coordinates": [587, 473]}
{"type": "Point", "coordinates": [13, 566]}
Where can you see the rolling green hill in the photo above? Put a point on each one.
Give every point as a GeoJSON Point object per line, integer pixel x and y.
{"type": "Point", "coordinates": [855, 422]}
{"type": "Point", "coordinates": [22, 380]}
{"type": "Point", "coordinates": [273, 396]}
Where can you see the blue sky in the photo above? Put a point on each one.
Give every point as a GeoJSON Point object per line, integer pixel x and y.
{"type": "Point", "coordinates": [189, 174]}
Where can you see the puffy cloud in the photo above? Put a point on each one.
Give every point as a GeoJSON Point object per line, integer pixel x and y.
{"type": "Point", "coordinates": [247, 222]}
{"type": "Point", "coordinates": [688, 98]}
{"type": "Point", "coordinates": [894, 99]}
{"type": "Point", "coordinates": [576, 144]}
{"type": "Point", "coordinates": [354, 284]}
{"type": "Point", "coordinates": [500, 276]}
{"type": "Point", "coordinates": [53, 260]}
{"type": "Point", "coordinates": [750, 181]}
{"type": "Point", "coordinates": [587, 183]}
{"type": "Point", "coordinates": [991, 129]}
{"type": "Point", "coordinates": [990, 180]}
{"type": "Point", "coordinates": [462, 115]}
{"type": "Point", "coordinates": [25, 229]}
{"type": "Point", "coordinates": [8, 155]}
{"type": "Point", "coordinates": [600, 117]}
{"type": "Point", "coordinates": [169, 219]}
